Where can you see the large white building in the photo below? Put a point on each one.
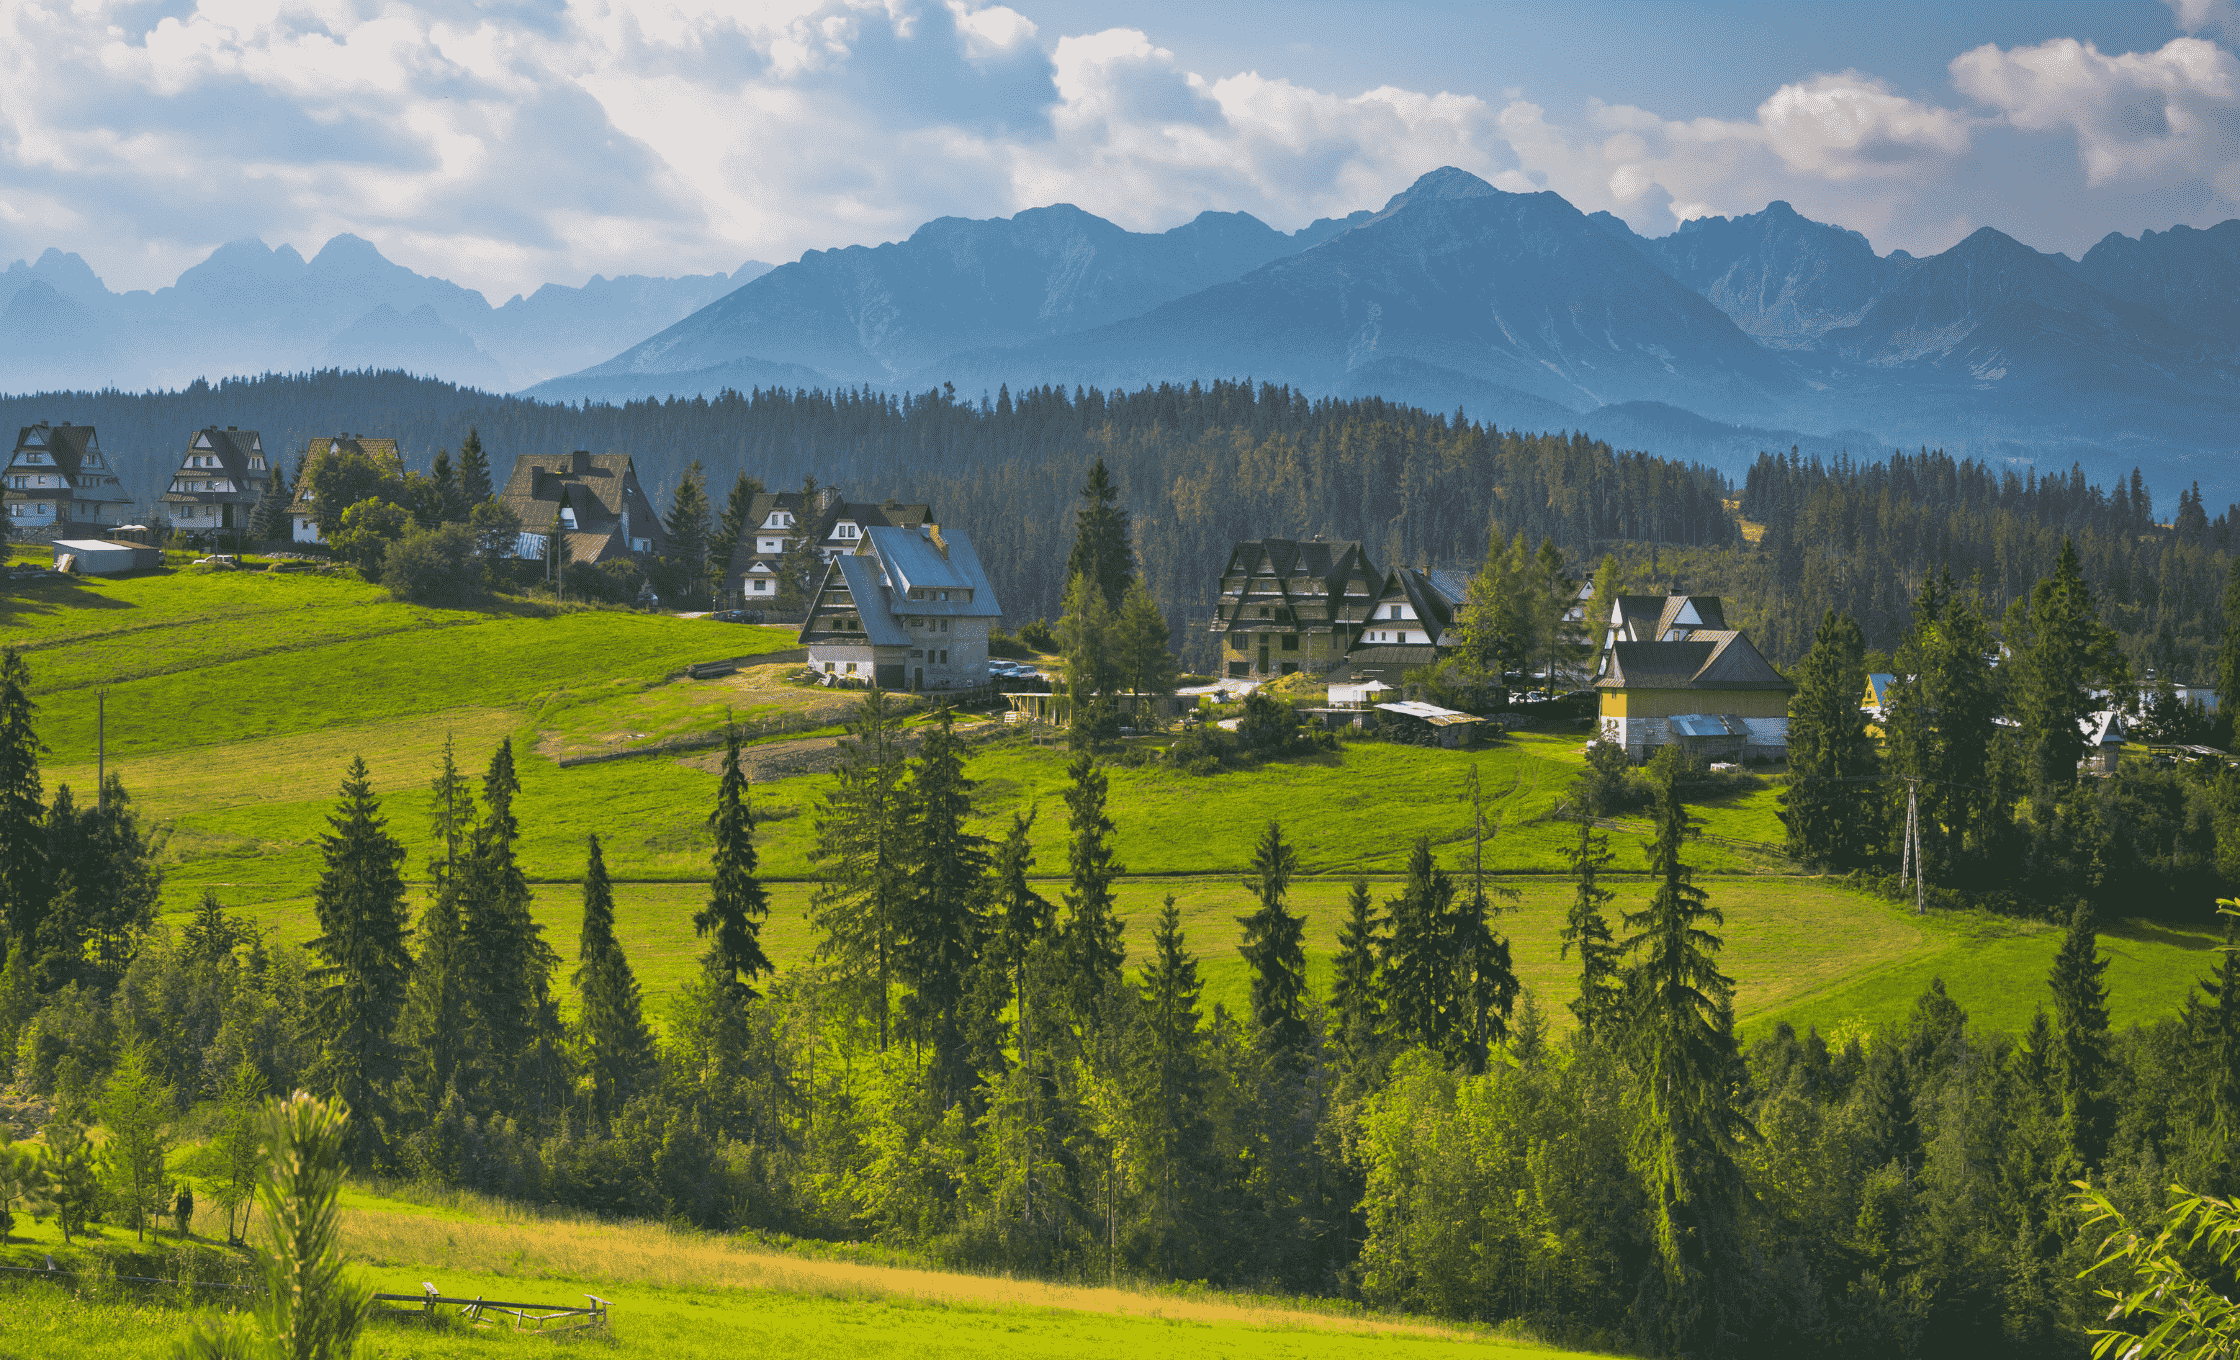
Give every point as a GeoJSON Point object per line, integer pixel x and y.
{"type": "Point", "coordinates": [908, 610]}
{"type": "Point", "coordinates": [58, 478]}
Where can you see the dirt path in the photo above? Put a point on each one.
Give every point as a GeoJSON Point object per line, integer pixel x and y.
{"type": "Point", "coordinates": [772, 760]}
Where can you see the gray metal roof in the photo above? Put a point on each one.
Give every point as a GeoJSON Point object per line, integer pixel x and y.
{"type": "Point", "coordinates": [879, 626]}
{"type": "Point", "coordinates": [913, 562]}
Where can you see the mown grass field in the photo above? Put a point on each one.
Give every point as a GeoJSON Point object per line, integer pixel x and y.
{"type": "Point", "coordinates": [237, 700]}
{"type": "Point", "coordinates": [682, 1295]}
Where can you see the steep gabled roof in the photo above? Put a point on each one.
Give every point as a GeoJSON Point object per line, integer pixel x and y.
{"type": "Point", "coordinates": [929, 559]}
{"type": "Point", "coordinates": [1711, 659]}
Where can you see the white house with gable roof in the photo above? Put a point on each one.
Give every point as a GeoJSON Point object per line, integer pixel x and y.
{"type": "Point", "coordinates": [908, 610]}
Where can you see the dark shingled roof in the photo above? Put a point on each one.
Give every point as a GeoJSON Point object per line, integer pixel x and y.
{"type": "Point", "coordinates": [1711, 659]}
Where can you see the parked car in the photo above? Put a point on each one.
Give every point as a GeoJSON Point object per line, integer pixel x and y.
{"type": "Point", "coordinates": [737, 616]}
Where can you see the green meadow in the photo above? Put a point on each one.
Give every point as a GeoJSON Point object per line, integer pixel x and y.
{"type": "Point", "coordinates": [236, 701]}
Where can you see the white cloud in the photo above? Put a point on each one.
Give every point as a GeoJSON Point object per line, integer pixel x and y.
{"type": "Point", "coordinates": [2154, 117]}
{"type": "Point", "coordinates": [2203, 16]}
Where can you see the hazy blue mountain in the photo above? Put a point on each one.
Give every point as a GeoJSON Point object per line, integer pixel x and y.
{"type": "Point", "coordinates": [249, 308]}
{"type": "Point", "coordinates": [1785, 280]}
{"type": "Point", "coordinates": [1521, 291]}
{"type": "Point", "coordinates": [2187, 275]}
{"type": "Point", "coordinates": [419, 342]}
{"type": "Point", "coordinates": [47, 339]}
{"type": "Point", "coordinates": [878, 313]}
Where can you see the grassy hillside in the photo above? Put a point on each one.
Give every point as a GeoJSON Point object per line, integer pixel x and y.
{"type": "Point", "coordinates": [237, 700]}
{"type": "Point", "coordinates": [682, 1295]}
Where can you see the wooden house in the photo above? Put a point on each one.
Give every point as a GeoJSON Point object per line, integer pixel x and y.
{"type": "Point", "coordinates": [2105, 732]}
{"type": "Point", "coordinates": [1711, 691]}
{"type": "Point", "coordinates": [910, 609]}
{"type": "Point", "coordinates": [220, 479]}
{"type": "Point", "coordinates": [303, 516]}
{"type": "Point", "coordinates": [1288, 605]}
{"type": "Point", "coordinates": [59, 481]}
{"type": "Point", "coordinates": [594, 499]}
{"type": "Point", "coordinates": [776, 521]}
{"type": "Point", "coordinates": [1414, 623]}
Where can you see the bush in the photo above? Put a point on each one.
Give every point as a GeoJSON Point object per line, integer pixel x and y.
{"type": "Point", "coordinates": [1450, 684]}
{"type": "Point", "coordinates": [366, 531]}
{"type": "Point", "coordinates": [434, 566]}
{"type": "Point", "coordinates": [1038, 636]}
{"type": "Point", "coordinates": [615, 581]}
{"type": "Point", "coordinates": [1002, 643]}
{"type": "Point", "coordinates": [1202, 750]}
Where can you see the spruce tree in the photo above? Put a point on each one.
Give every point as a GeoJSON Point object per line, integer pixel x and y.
{"type": "Point", "coordinates": [942, 930]}
{"type": "Point", "coordinates": [1353, 990]}
{"type": "Point", "coordinates": [1022, 919]}
{"type": "Point", "coordinates": [1941, 723]}
{"type": "Point", "coordinates": [2216, 1039]}
{"type": "Point", "coordinates": [2081, 1062]}
{"type": "Point", "coordinates": [268, 521]}
{"type": "Point", "coordinates": [738, 508]}
{"type": "Point", "coordinates": [436, 1015]}
{"type": "Point", "coordinates": [737, 905]}
{"type": "Point", "coordinates": [1103, 541]}
{"type": "Point", "coordinates": [474, 470]}
{"type": "Point", "coordinates": [2069, 652]}
{"type": "Point", "coordinates": [1274, 948]}
{"type": "Point", "coordinates": [136, 1110]}
{"type": "Point", "coordinates": [508, 963]}
{"type": "Point", "coordinates": [1171, 989]}
{"type": "Point", "coordinates": [1091, 940]}
{"type": "Point", "coordinates": [1829, 750]}
{"type": "Point", "coordinates": [1092, 664]}
{"type": "Point", "coordinates": [862, 856]}
{"type": "Point", "coordinates": [801, 567]}
{"type": "Point", "coordinates": [1586, 929]}
{"type": "Point", "coordinates": [619, 1046]}
{"type": "Point", "coordinates": [1417, 967]}
{"type": "Point", "coordinates": [690, 533]}
{"type": "Point", "coordinates": [1140, 646]}
{"type": "Point", "coordinates": [1485, 975]}
{"type": "Point", "coordinates": [23, 867]}
{"type": "Point", "coordinates": [365, 964]}
{"type": "Point", "coordinates": [1683, 1049]}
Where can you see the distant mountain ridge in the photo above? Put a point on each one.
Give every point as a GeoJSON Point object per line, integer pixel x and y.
{"type": "Point", "coordinates": [879, 313]}
{"type": "Point", "coordinates": [249, 308]}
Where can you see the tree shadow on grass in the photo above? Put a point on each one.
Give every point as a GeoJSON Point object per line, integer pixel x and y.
{"type": "Point", "coordinates": [2194, 939]}
{"type": "Point", "coordinates": [49, 595]}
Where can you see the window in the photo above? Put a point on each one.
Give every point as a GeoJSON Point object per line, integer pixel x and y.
{"type": "Point", "coordinates": [1266, 612]}
{"type": "Point", "coordinates": [828, 668]}
{"type": "Point", "coordinates": [256, 464]}
{"type": "Point", "coordinates": [762, 587]}
{"type": "Point", "coordinates": [1291, 642]}
{"type": "Point", "coordinates": [851, 668]}
{"type": "Point", "coordinates": [1395, 612]}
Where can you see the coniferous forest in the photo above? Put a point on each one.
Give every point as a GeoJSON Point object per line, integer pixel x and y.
{"type": "Point", "coordinates": [1204, 466]}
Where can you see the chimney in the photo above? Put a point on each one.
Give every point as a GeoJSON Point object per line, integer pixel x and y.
{"type": "Point", "coordinates": [933, 532]}
{"type": "Point", "coordinates": [579, 462]}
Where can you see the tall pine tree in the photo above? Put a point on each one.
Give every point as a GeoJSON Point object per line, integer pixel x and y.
{"type": "Point", "coordinates": [862, 857]}
{"type": "Point", "coordinates": [737, 905]}
{"type": "Point", "coordinates": [2080, 1053]}
{"type": "Point", "coordinates": [1103, 541]}
{"type": "Point", "coordinates": [1274, 948]}
{"type": "Point", "coordinates": [618, 1047]}
{"type": "Point", "coordinates": [1418, 964]}
{"type": "Point", "coordinates": [1683, 1049]}
{"type": "Point", "coordinates": [1173, 1081]}
{"type": "Point", "coordinates": [1353, 989]}
{"type": "Point", "coordinates": [23, 869]}
{"type": "Point", "coordinates": [1091, 940]}
{"type": "Point", "coordinates": [1598, 1007]}
{"type": "Point", "coordinates": [738, 508]}
{"type": "Point", "coordinates": [509, 964]}
{"type": "Point", "coordinates": [690, 534]}
{"type": "Point", "coordinates": [474, 470]}
{"type": "Point", "coordinates": [2069, 652]}
{"type": "Point", "coordinates": [1941, 725]}
{"type": "Point", "coordinates": [942, 930]}
{"type": "Point", "coordinates": [364, 962]}
{"type": "Point", "coordinates": [1829, 750]}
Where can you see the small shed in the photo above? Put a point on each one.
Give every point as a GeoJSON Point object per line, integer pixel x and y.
{"type": "Point", "coordinates": [99, 557]}
{"type": "Point", "coordinates": [1710, 736]}
{"type": "Point", "coordinates": [1452, 728]}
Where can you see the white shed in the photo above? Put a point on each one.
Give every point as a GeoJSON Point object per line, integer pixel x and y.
{"type": "Point", "coordinates": [99, 557]}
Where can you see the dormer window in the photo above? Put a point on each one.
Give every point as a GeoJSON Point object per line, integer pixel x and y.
{"type": "Point", "coordinates": [568, 516]}
{"type": "Point", "coordinates": [256, 464]}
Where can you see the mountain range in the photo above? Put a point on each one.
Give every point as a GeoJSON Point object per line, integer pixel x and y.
{"type": "Point", "coordinates": [1724, 337]}
{"type": "Point", "coordinates": [250, 308]}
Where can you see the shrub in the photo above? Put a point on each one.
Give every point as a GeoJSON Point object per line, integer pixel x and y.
{"type": "Point", "coordinates": [1450, 684]}
{"type": "Point", "coordinates": [433, 566]}
{"type": "Point", "coordinates": [1038, 636]}
{"type": "Point", "coordinates": [615, 581]}
{"type": "Point", "coordinates": [1002, 643]}
{"type": "Point", "coordinates": [366, 531]}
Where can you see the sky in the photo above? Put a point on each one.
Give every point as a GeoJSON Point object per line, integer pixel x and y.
{"type": "Point", "coordinates": [507, 143]}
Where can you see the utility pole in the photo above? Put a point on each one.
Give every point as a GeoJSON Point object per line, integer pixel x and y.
{"type": "Point", "coordinates": [1912, 860]}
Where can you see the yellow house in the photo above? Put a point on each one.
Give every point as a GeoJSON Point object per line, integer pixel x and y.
{"type": "Point", "coordinates": [1713, 693]}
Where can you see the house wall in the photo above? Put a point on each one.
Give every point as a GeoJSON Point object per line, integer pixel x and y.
{"type": "Point", "coordinates": [305, 530]}
{"type": "Point", "coordinates": [1316, 651]}
{"type": "Point", "coordinates": [1665, 703]}
{"type": "Point", "coordinates": [1768, 737]}
{"type": "Point", "coordinates": [859, 661]}
{"type": "Point", "coordinates": [951, 657]}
